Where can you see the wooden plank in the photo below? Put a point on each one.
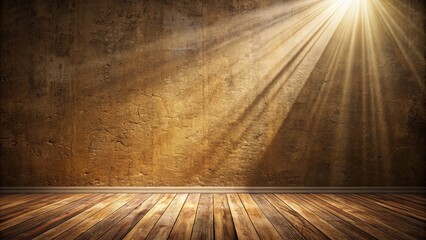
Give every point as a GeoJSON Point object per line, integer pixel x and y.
{"type": "Point", "coordinates": [26, 226]}
{"type": "Point", "coordinates": [22, 204]}
{"type": "Point", "coordinates": [20, 199]}
{"type": "Point", "coordinates": [350, 230]}
{"type": "Point", "coordinates": [417, 197]}
{"type": "Point", "coordinates": [144, 226]}
{"type": "Point", "coordinates": [400, 201]}
{"type": "Point", "coordinates": [409, 199]}
{"type": "Point", "coordinates": [395, 219]}
{"type": "Point", "coordinates": [402, 208]}
{"type": "Point", "coordinates": [393, 212]}
{"type": "Point", "coordinates": [104, 225]}
{"type": "Point", "coordinates": [203, 226]}
{"type": "Point", "coordinates": [223, 224]}
{"type": "Point", "coordinates": [87, 223]}
{"type": "Point", "coordinates": [243, 225]}
{"type": "Point", "coordinates": [281, 224]}
{"type": "Point", "coordinates": [184, 223]}
{"type": "Point", "coordinates": [162, 228]}
{"type": "Point", "coordinates": [5, 197]}
{"type": "Point", "coordinates": [120, 230]}
{"type": "Point", "coordinates": [27, 206]}
{"type": "Point", "coordinates": [347, 216]}
{"type": "Point", "coordinates": [365, 214]}
{"type": "Point", "coordinates": [53, 232]}
{"type": "Point", "coordinates": [328, 229]}
{"type": "Point", "coordinates": [302, 225]}
{"type": "Point", "coordinates": [59, 201]}
{"type": "Point", "coordinates": [382, 216]}
{"type": "Point", "coordinates": [263, 227]}
{"type": "Point", "coordinates": [61, 217]}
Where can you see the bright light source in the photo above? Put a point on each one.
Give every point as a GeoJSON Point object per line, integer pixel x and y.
{"type": "Point", "coordinates": [346, 3]}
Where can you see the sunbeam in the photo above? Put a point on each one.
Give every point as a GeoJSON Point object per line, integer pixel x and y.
{"type": "Point", "coordinates": [348, 133]}
{"type": "Point", "coordinates": [238, 92]}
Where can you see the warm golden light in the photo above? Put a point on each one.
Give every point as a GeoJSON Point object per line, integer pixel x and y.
{"type": "Point", "coordinates": [243, 92]}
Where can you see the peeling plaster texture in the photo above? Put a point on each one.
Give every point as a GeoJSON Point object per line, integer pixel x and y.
{"type": "Point", "coordinates": [210, 93]}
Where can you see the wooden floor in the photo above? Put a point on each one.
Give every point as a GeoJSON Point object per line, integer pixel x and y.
{"type": "Point", "coordinates": [212, 216]}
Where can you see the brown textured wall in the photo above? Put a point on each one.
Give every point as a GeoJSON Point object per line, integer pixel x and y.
{"type": "Point", "coordinates": [228, 92]}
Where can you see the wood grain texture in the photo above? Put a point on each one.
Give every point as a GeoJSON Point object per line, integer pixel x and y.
{"type": "Point", "coordinates": [16, 199]}
{"type": "Point", "coordinates": [243, 225]}
{"type": "Point", "coordinates": [44, 218]}
{"type": "Point", "coordinates": [183, 227]}
{"type": "Point", "coordinates": [24, 206]}
{"type": "Point", "coordinates": [53, 232]}
{"type": "Point", "coordinates": [213, 216]}
{"type": "Point", "coordinates": [223, 223]}
{"type": "Point", "coordinates": [263, 226]}
{"type": "Point", "coordinates": [144, 226]}
{"type": "Point", "coordinates": [119, 230]}
{"type": "Point", "coordinates": [61, 217]}
{"type": "Point", "coordinates": [100, 227]}
{"type": "Point", "coordinates": [281, 224]}
{"type": "Point", "coordinates": [349, 229]}
{"type": "Point", "coordinates": [58, 201]}
{"type": "Point", "coordinates": [322, 224]}
{"type": "Point", "coordinates": [203, 226]}
{"type": "Point", "coordinates": [99, 216]}
{"type": "Point", "coordinates": [162, 228]}
{"type": "Point", "coordinates": [373, 217]}
{"type": "Point", "coordinates": [337, 210]}
{"type": "Point", "coordinates": [306, 228]}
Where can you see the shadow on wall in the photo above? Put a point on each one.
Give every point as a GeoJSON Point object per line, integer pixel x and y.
{"type": "Point", "coordinates": [144, 94]}
{"type": "Point", "coordinates": [251, 92]}
{"type": "Point", "coordinates": [360, 117]}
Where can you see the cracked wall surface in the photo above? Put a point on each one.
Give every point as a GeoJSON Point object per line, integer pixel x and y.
{"type": "Point", "coordinates": [212, 93]}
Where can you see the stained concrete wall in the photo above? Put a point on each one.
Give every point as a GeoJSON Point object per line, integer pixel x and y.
{"type": "Point", "coordinates": [235, 93]}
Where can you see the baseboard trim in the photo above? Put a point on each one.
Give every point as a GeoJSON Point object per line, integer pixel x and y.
{"type": "Point", "coordinates": [212, 189]}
